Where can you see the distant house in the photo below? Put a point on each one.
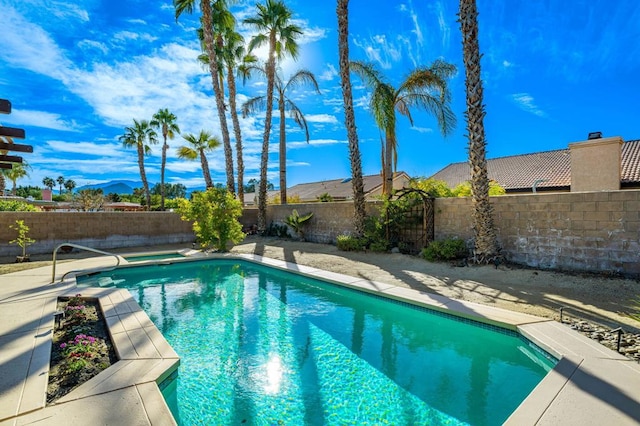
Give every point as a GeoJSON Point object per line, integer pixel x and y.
{"type": "Point", "coordinates": [338, 189]}
{"type": "Point", "coordinates": [552, 170]}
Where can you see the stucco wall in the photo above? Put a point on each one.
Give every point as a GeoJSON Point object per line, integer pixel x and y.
{"type": "Point", "coordinates": [586, 231]}
{"type": "Point", "coordinates": [100, 230]}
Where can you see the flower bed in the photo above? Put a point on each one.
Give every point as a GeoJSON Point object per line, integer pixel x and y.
{"type": "Point", "coordinates": [81, 346]}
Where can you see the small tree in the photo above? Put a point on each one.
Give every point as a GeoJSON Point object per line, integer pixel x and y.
{"type": "Point", "coordinates": [215, 214]}
{"type": "Point", "coordinates": [22, 239]}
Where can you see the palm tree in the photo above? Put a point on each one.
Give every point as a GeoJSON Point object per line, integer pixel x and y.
{"type": "Point", "coordinates": [425, 88]}
{"type": "Point", "coordinates": [274, 27]}
{"type": "Point", "coordinates": [360, 213]}
{"type": "Point", "coordinates": [164, 121]}
{"type": "Point", "coordinates": [236, 58]}
{"type": "Point", "coordinates": [60, 181]}
{"type": "Point", "coordinates": [49, 183]}
{"type": "Point", "coordinates": [208, 23]}
{"type": "Point", "coordinates": [487, 248]}
{"type": "Point", "coordinates": [285, 104]}
{"type": "Point", "coordinates": [18, 171]}
{"type": "Point", "coordinates": [198, 146]}
{"type": "Point", "coordinates": [137, 136]}
{"type": "Point", "coordinates": [70, 185]}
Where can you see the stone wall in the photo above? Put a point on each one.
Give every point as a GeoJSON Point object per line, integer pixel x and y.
{"type": "Point", "coordinates": [585, 231]}
{"type": "Point", "coordinates": [100, 230]}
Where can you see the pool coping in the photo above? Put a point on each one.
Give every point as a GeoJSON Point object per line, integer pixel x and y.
{"type": "Point", "coordinates": [590, 383]}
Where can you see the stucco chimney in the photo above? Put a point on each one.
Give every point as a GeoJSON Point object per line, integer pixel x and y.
{"type": "Point", "coordinates": [595, 164]}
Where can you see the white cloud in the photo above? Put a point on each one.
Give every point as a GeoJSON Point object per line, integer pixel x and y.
{"type": "Point", "coordinates": [41, 119]}
{"type": "Point", "coordinates": [422, 129]}
{"type": "Point", "coordinates": [86, 148]}
{"type": "Point", "coordinates": [69, 10]}
{"type": "Point", "coordinates": [314, 142]}
{"type": "Point", "coordinates": [89, 45]}
{"type": "Point", "coordinates": [321, 118]}
{"type": "Point", "coordinates": [379, 49]}
{"type": "Point", "coordinates": [526, 102]}
{"type": "Point", "coordinates": [329, 73]}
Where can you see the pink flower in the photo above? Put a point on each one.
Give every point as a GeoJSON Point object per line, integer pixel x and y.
{"type": "Point", "coordinates": [63, 345]}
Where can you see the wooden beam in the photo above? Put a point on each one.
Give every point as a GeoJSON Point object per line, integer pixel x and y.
{"type": "Point", "coordinates": [6, 166]}
{"type": "Point", "coordinates": [5, 106]}
{"type": "Point", "coordinates": [10, 159]}
{"type": "Point", "coordinates": [12, 132]}
{"type": "Point", "coordinates": [15, 147]}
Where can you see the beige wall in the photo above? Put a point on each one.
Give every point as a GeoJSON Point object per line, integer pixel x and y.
{"type": "Point", "coordinates": [595, 164]}
{"type": "Point", "coordinates": [329, 219]}
{"type": "Point", "coordinates": [101, 230]}
{"type": "Point", "coordinates": [589, 231]}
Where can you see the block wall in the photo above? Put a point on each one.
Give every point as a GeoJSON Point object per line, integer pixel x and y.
{"type": "Point", "coordinates": [100, 230]}
{"type": "Point", "coordinates": [586, 231]}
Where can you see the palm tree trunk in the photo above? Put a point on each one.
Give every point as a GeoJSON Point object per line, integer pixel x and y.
{"type": "Point", "coordinates": [3, 183]}
{"type": "Point", "coordinates": [162, 169]}
{"type": "Point", "coordinates": [205, 170]}
{"type": "Point", "coordinates": [283, 152]}
{"type": "Point", "coordinates": [231, 82]}
{"type": "Point", "coordinates": [360, 212]}
{"type": "Point", "coordinates": [486, 242]}
{"type": "Point", "coordinates": [264, 158]}
{"type": "Point", "coordinates": [388, 165]}
{"type": "Point", "coordinates": [205, 7]}
{"type": "Point", "coordinates": [143, 176]}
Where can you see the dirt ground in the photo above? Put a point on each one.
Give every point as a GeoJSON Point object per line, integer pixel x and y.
{"type": "Point", "coordinates": [602, 300]}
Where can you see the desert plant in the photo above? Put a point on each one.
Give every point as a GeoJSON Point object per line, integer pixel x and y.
{"type": "Point", "coordinates": [215, 214]}
{"type": "Point", "coordinates": [298, 222]}
{"type": "Point", "coordinates": [277, 230]}
{"type": "Point", "coordinates": [17, 206]}
{"type": "Point", "coordinates": [23, 239]}
{"type": "Point", "coordinates": [349, 243]}
{"type": "Point", "coordinates": [325, 198]}
{"type": "Point", "coordinates": [449, 249]}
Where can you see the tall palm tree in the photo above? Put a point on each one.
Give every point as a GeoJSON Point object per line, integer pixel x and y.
{"type": "Point", "coordinates": [3, 183]}
{"type": "Point", "coordinates": [273, 22]}
{"type": "Point", "coordinates": [360, 213]}
{"type": "Point", "coordinates": [487, 248]}
{"type": "Point", "coordinates": [18, 171]}
{"type": "Point", "coordinates": [197, 148]}
{"type": "Point", "coordinates": [70, 185]}
{"type": "Point", "coordinates": [141, 136]}
{"type": "Point", "coordinates": [49, 183]}
{"type": "Point", "coordinates": [424, 87]}
{"type": "Point", "coordinates": [232, 57]}
{"type": "Point", "coordinates": [60, 181]}
{"type": "Point", "coordinates": [237, 59]}
{"type": "Point", "coordinates": [285, 104]}
{"type": "Point", "coordinates": [164, 121]}
{"type": "Point", "coordinates": [208, 23]}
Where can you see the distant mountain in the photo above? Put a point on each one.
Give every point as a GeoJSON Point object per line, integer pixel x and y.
{"type": "Point", "coordinates": [115, 186]}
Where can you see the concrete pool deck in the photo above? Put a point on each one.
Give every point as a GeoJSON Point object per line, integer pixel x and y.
{"type": "Point", "coordinates": [590, 385]}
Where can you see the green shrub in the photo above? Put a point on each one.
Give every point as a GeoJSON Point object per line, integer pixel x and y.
{"type": "Point", "coordinates": [379, 246]}
{"type": "Point", "coordinates": [449, 249]}
{"type": "Point", "coordinates": [17, 206]}
{"type": "Point", "coordinates": [215, 214]}
{"type": "Point", "coordinates": [277, 230]}
{"type": "Point", "coordinates": [349, 243]}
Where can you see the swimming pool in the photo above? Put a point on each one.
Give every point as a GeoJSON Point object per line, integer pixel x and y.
{"type": "Point", "coordinates": [159, 256]}
{"type": "Point", "coordinates": [264, 346]}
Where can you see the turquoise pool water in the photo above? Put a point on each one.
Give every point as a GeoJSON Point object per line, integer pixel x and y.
{"type": "Point", "coordinates": [162, 256]}
{"type": "Point", "coordinates": [263, 346]}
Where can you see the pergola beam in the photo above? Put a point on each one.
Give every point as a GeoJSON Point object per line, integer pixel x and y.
{"type": "Point", "coordinates": [5, 106]}
{"type": "Point", "coordinates": [10, 159]}
{"type": "Point", "coordinates": [12, 132]}
{"type": "Point", "coordinates": [15, 147]}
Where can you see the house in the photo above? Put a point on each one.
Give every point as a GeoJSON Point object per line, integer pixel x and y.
{"type": "Point", "coordinates": [338, 189]}
{"type": "Point", "coordinates": [597, 159]}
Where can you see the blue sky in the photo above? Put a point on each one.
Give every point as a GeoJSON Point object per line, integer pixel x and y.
{"type": "Point", "coordinates": [77, 72]}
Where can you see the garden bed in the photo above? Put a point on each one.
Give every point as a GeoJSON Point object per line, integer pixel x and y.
{"type": "Point", "coordinates": [81, 346]}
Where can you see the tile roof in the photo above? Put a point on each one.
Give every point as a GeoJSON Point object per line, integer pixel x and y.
{"type": "Point", "coordinates": [519, 172]}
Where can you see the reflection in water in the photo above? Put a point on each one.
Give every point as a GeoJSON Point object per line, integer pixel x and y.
{"type": "Point", "coordinates": [264, 346]}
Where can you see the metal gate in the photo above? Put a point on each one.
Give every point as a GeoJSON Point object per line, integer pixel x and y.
{"type": "Point", "coordinates": [415, 228]}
